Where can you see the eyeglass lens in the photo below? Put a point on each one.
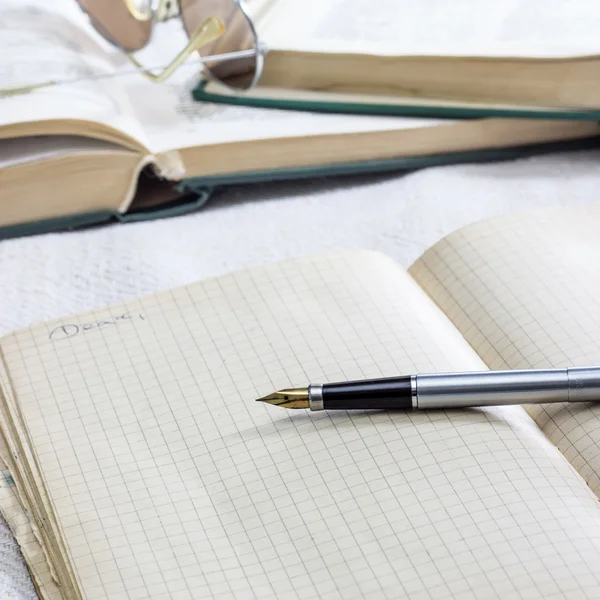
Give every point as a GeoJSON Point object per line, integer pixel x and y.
{"type": "Point", "coordinates": [239, 72]}
{"type": "Point", "coordinates": [115, 22]}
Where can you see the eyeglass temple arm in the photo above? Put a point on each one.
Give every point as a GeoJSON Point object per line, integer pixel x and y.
{"type": "Point", "coordinates": [196, 42]}
{"type": "Point", "coordinates": [208, 31]}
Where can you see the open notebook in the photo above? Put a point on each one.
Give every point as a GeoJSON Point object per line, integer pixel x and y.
{"type": "Point", "coordinates": [138, 464]}
{"type": "Point", "coordinates": [119, 148]}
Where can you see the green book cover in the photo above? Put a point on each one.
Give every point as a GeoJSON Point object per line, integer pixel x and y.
{"type": "Point", "coordinates": [201, 93]}
{"type": "Point", "coordinates": [198, 191]}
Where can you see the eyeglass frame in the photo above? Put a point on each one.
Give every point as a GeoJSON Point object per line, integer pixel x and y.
{"type": "Point", "coordinates": [165, 10]}
{"type": "Point", "coordinates": [162, 11]}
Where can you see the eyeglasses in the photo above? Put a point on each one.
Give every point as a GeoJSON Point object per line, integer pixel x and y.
{"type": "Point", "coordinates": [220, 31]}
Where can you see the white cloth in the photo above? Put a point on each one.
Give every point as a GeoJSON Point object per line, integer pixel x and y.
{"type": "Point", "coordinates": [399, 214]}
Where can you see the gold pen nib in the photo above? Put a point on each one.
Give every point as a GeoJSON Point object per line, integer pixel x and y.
{"type": "Point", "coordinates": [293, 398]}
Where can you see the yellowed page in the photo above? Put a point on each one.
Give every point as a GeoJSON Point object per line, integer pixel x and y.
{"type": "Point", "coordinates": [23, 530]}
{"type": "Point", "coordinates": [53, 41]}
{"type": "Point", "coordinates": [173, 120]}
{"type": "Point", "coordinates": [170, 481]}
{"type": "Point", "coordinates": [524, 290]}
{"type": "Point", "coordinates": [17, 513]}
{"type": "Point", "coordinates": [535, 28]}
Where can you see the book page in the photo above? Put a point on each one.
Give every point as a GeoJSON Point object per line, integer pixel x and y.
{"type": "Point", "coordinates": [524, 290]}
{"type": "Point", "coordinates": [16, 511]}
{"type": "Point", "coordinates": [23, 532]}
{"type": "Point", "coordinates": [17, 151]}
{"type": "Point", "coordinates": [42, 41]}
{"type": "Point", "coordinates": [537, 28]}
{"type": "Point", "coordinates": [173, 120]}
{"type": "Point", "coordinates": [168, 480]}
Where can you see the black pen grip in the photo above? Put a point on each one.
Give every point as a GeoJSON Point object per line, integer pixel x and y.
{"type": "Point", "coordinates": [386, 394]}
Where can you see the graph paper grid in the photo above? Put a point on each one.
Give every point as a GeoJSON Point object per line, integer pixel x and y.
{"type": "Point", "coordinates": [525, 293]}
{"type": "Point", "coordinates": [169, 481]}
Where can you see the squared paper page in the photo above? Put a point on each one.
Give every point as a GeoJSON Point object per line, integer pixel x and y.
{"type": "Point", "coordinates": [170, 481]}
{"type": "Point", "coordinates": [536, 28]}
{"type": "Point", "coordinates": [524, 291]}
{"type": "Point", "coordinates": [24, 533]}
{"type": "Point", "coordinates": [17, 513]}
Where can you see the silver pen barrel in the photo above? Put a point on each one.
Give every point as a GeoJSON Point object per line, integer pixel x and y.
{"type": "Point", "coordinates": [496, 388]}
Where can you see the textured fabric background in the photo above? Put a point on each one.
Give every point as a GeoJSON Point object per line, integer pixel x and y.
{"type": "Point", "coordinates": [401, 214]}
{"type": "Point", "coordinates": [53, 275]}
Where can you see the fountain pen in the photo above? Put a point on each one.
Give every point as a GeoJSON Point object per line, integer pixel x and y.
{"type": "Point", "coordinates": [447, 390]}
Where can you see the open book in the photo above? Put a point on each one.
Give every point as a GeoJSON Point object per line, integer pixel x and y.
{"type": "Point", "coordinates": [123, 148]}
{"type": "Point", "coordinates": [140, 466]}
{"type": "Point", "coordinates": [512, 58]}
